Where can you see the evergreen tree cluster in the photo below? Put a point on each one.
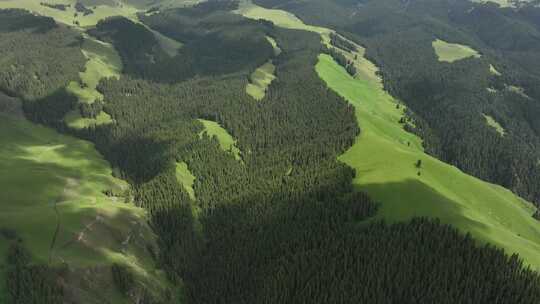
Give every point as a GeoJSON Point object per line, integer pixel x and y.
{"type": "Point", "coordinates": [341, 43]}
{"type": "Point", "coordinates": [38, 57]}
{"type": "Point", "coordinates": [30, 284]}
{"type": "Point", "coordinates": [340, 59]}
{"type": "Point", "coordinates": [215, 43]}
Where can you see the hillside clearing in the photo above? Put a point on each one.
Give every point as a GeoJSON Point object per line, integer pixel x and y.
{"type": "Point", "coordinates": [502, 3]}
{"type": "Point", "coordinates": [226, 141]}
{"type": "Point", "coordinates": [384, 156]}
{"type": "Point", "coordinates": [386, 170]}
{"type": "Point", "coordinates": [365, 69]}
{"type": "Point", "coordinates": [185, 178]}
{"type": "Point", "coordinates": [263, 76]}
{"type": "Point", "coordinates": [260, 79]}
{"type": "Point", "coordinates": [280, 18]}
{"type": "Point", "coordinates": [103, 62]}
{"type": "Point", "coordinates": [494, 71]}
{"type": "Point", "coordinates": [169, 45]}
{"type": "Point", "coordinates": [494, 124]}
{"type": "Point", "coordinates": [274, 44]}
{"type": "Point", "coordinates": [518, 90]}
{"type": "Point", "coordinates": [74, 120]}
{"type": "Point", "coordinates": [450, 52]}
{"type": "Point", "coordinates": [68, 16]}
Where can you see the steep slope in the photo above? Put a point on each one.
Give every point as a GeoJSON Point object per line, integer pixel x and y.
{"type": "Point", "coordinates": [70, 15]}
{"type": "Point", "coordinates": [60, 199]}
{"type": "Point", "coordinates": [60, 202]}
{"type": "Point", "coordinates": [286, 224]}
{"type": "Point", "coordinates": [449, 99]}
{"type": "Point", "coordinates": [386, 169]}
{"type": "Point", "coordinates": [385, 158]}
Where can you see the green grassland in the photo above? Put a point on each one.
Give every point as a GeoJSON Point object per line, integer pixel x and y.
{"type": "Point", "coordinates": [260, 79]}
{"type": "Point", "coordinates": [517, 90]}
{"type": "Point", "coordinates": [385, 158]}
{"type": "Point", "coordinates": [502, 3]}
{"type": "Point", "coordinates": [185, 178]}
{"type": "Point", "coordinates": [74, 120]}
{"type": "Point", "coordinates": [386, 169]}
{"type": "Point", "coordinates": [274, 44]}
{"type": "Point", "coordinates": [103, 62]}
{"type": "Point", "coordinates": [280, 18]}
{"type": "Point", "coordinates": [494, 124]}
{"type": "Point", "coordinates": [450, 52]}
{"type": "Point", "coordinates": [263, 76]}
{"type": "Point", "coordinates": [365, 69]}
{"type": "Point", "coordinates": [494, 71]}
{"type": "Point", "coordinates": [40, 171]}
{"type": "Point", "coordinates": [100, 12]}
{"type": "Point", "coordinates": [169, 45]}
{"type": "Point", "coordinates": [226, 141]}
{"type": "Point", "coordinates": [68, 16]}
{"type": "Point", "coordinates": [162, 4]}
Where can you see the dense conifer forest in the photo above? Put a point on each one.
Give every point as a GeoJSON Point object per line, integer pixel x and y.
{"type": "Point", "coordinates": [51, 56]}
{"type": "Point", "coordinates": [283, 224]}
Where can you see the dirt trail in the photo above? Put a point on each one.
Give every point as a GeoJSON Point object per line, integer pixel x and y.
{"type": "Point", "coordinates": [67, 192]}
{"type": "Point", "coordinates": [53, 241]}
{"type": "Point", "coordinates": [80, 237]}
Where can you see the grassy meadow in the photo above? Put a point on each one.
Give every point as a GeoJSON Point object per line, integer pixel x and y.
{"type": "Point", "coordinates": [169, 45]}
{"type": "Point", "coordinates": [450, 52]}
{"type": "Point", "coordinates": [185, 178]}
{"type": "Point", "coordinates": [274, 44]}
{"type": "Point", "coordinates": [502, 3]}
{"type": "Point", "coordinates": [41, 170]}
{"type": "Point", "coordinates": [385, 158]}
{"type": "Point", "coordinates": [68, 16]}
{"type": "Point", "coordinates": [74, 120]}
{"type": "Point", "coordinates": [226, 141]}
{"type": "Point", "coordinates": [494, 71]}
{"type": "Point", "coordinates": [103, 62]}
{"type": "Point", "coordinates": [280, 18]}
{"type": "Point", "coordinates": [260, 79]}
{"type": "Point", "coordinates": [494, 124]}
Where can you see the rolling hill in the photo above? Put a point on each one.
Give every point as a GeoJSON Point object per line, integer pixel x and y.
{"type": "Point", "coordinates": [269, 151]}
{"type": "Point", "coordinates": [61, 201]}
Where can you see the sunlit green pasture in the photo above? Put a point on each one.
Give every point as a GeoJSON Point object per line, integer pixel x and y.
{"type": "Point", "coordinates": [69, 16]}
{"type": "Point", "coordinates": [450, 52]}
{"type": "Point", "coordinates": [385, 158]}
{"type": "Point", "coordinates": [40, 170]}
{"type": "Point", "coordinates": [226, 141]}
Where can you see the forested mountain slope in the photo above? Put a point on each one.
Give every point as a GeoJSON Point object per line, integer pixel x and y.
{"type": "Point", "coordinates": [449, 98]}
{"type": "Point", "coordinates": [265, 211]}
